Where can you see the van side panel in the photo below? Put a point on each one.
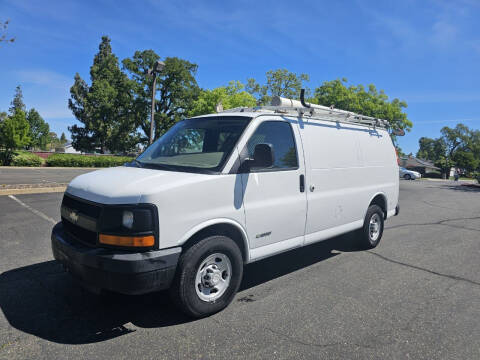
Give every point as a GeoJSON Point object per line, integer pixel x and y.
{"type": "Point", "coordinates": [380, 167]}
{"type": "Point", "coordinates": [346, 166]}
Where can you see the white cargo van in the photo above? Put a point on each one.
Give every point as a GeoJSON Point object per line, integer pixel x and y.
{"type": "Point", "coordinates": [220, 191]}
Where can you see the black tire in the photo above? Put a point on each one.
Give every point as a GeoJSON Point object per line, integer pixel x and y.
{"type": "Point", "coordinates": [407, 177]}
{"type": "Point", "coordinates": [367, 241]}
{"type": "Point", "coordinates": [183, 290]}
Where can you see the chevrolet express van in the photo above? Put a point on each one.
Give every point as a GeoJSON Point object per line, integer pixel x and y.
{"type": "Point", "coordinates": [220, 191]}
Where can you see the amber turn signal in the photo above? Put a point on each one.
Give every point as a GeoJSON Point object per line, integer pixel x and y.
{"type": "Point", "coordinates": [132, 241]}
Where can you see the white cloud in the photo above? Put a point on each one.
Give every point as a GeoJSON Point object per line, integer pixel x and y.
{"type": "Point", "coordinates": [441, 26]}
{"type": "Point", "coordinates": [443, 33]}
{"type": "Point", "coordinates": [419, 122]}
{"type": "Point", "coordinates": [435, 96]}
{"type": "Point", "coordinates": [46, 78]}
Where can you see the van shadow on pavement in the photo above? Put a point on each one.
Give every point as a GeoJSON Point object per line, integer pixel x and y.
{"type": "Point", "coordinates": [463, 187]}
{"type": "Point", "coordinates": [43, 300]}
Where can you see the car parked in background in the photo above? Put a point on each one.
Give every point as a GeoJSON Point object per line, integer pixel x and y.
{"type": "Point", "coordinates": [409, 174]}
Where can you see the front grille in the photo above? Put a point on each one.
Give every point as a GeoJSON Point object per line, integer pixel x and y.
{"type": "Point", "coordinates": [83, 207]}
{"type": "Point", "coordinates": [78, 233]}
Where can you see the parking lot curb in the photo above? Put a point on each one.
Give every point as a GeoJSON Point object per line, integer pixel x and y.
{"type": "Point", "coordinates": [23, 189]}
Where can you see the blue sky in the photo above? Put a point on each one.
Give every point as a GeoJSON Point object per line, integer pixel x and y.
{"type": "Point", "coordinates": [424, 52]}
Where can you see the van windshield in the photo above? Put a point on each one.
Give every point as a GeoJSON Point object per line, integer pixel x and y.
{"type": "Point", "coordinates": [198, 144]}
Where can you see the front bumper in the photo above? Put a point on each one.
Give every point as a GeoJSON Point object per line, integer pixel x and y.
{"type": "Point", "coordinates": [115, 270]}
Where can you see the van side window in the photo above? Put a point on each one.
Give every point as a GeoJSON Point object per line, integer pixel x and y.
{"type": "Point", "coordinates": [279, 134]}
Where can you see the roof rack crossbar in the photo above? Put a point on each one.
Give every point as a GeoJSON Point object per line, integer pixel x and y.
{"type": "Point", "coordinates": [301, 108]}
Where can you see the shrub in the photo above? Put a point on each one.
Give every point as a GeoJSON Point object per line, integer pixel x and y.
{"type": "Point", "coordinates": [71, 160]}
{"type": "Point", "coordinates": [26, 159]}
{"type": "Point", "coordinates": [5, 157]}
{"type": "Point", "coordinates": [476, 175]}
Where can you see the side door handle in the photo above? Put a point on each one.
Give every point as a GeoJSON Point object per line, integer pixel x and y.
{"type": "Point", "coordinates": [302, 183]}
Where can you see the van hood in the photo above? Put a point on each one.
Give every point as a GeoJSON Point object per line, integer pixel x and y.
{"type": "Point", "coordinates": [127, 185]}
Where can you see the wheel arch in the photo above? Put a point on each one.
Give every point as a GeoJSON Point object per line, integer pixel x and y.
{"type": "Point", "coordinates": [226, 227]}
{"type": "Point", "coordinates": [381, 200]}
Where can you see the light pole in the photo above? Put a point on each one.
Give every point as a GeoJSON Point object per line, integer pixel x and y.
{"type": "Point", "coordinates": [157, 67]}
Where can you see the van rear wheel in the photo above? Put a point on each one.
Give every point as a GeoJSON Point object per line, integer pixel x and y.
{"type": "Point", "coordinates": [372, 230]}
{"type": "Point", "coordinates": [208, 276]}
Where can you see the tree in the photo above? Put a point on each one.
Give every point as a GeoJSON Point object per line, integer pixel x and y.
{"type": "Point", "coordinates": [177, 89]}
{"type": "Point", "coordinates": [454, 139]}
{"type": "Point", "coordinates": [3, 116]}
{"type": "Point", "coordinates": [456, 146]}
{"type": "Point", "coordinates": [430, 149]}
{"type": "Point", "coordinates": [230, 96]}
{"type": "Point", "coordinates": [14, 134]}
{"type": "Point", "coordinates": [17, 102]}
{"type": "Point", "coordinates": [400, 152]}
{"type": "Point", "coordinates": [366, 102]}
{"type": "Point", "coordinates": [39, 130]}
{"type": "Point", "coordinates": [104, 107]}
{"type": "Point", "coordinates": [3, 35]}
{"type": "Point", "coordinates": [53, 140]}
{"type": "Point", "coordinates": [280, 82]}
{"type": "Point", "coordinates": [474, 144]}
{"type": "Point", "coordinates": [465, 160]}
{"type": "Point", "coordinates": [63, 138]}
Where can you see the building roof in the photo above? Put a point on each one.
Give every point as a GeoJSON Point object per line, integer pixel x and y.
{"type": "Point", "coordinates": [410, 161]}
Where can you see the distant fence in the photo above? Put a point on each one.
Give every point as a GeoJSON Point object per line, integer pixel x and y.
{"type": "Point", "coordinates": [43, 154]}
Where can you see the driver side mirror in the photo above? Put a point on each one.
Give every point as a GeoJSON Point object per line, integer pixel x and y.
{"type": "Point", "coordinates": [398, 132]}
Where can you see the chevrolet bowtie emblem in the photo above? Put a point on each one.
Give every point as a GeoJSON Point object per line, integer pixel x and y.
{"type": "Point", "coordinates": [73, 216]}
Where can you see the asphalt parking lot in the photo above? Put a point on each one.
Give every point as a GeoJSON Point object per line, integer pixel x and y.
{"type": "Point", "coordinates": [11, 175]}
{"type": "Point", "coordinates": [417, 295]}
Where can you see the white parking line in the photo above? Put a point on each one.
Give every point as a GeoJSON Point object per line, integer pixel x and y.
{"type": "Point", "coordinates": [36, 212]}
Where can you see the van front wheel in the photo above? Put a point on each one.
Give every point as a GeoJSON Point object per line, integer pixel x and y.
{"type": "Point", "coordinates": [208, 276]}
{"type": "Point", "coordinates": [372, 230]}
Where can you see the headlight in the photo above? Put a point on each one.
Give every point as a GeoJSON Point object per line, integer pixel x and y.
{"type": "Point", "coordinates": [129, 226]}
{"type": "Point", "coordinates": [127, 219]}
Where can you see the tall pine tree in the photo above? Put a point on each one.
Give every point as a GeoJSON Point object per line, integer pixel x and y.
{"type": "Point", "coordinates": [17, 102]}
{"type": "Point", "coordinates": [104, 107]}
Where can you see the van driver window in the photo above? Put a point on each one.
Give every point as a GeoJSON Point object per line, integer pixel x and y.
{"type": "Point", "coordinates": [279, 134]}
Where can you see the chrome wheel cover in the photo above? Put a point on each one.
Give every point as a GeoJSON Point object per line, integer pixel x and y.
{"type": "Point", "coordinates": [374, 227]}
{"type": "Point", "coordinates": [213, 277]}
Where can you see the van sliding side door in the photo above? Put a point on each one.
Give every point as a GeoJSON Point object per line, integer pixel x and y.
{"type": "Point", "coordinates": [334, 193]}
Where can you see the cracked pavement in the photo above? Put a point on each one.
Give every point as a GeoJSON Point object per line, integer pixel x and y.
{"type": "Point", "coordinates": [417, 295]}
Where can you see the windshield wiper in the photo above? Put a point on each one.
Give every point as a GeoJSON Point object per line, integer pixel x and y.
{"type": "Point", "coordinates": [158, 166]}
{"type": "Point", "coordinates": [134, 163]}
